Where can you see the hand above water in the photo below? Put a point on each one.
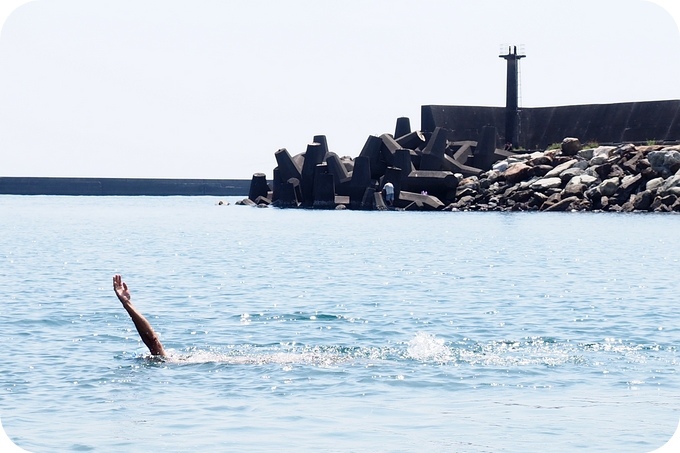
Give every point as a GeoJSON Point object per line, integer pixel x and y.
{"type": "Point", "coordinates": [121, 289]}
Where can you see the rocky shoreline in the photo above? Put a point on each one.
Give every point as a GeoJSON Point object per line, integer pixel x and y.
{"type": "Point", "coordinates": [624, 178]}
{"type": "Point", "coordinates": [430, 172]}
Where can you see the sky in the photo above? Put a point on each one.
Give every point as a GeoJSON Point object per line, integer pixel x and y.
{"type": "Point", "coordinates": [213, 88]}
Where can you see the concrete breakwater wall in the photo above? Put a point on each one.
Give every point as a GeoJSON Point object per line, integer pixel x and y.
{"type": "Point", "coordinates": [630, 122]}
{"type": "Point", "coordinates": [454, 163]}
{"type": "Point", "coordinates": [122, 186]}
{"type": "Point", "coordinates": [622, 178]}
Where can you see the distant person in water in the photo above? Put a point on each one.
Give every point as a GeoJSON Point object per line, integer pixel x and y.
{"type": "Point", "coordinates": [145, 330]}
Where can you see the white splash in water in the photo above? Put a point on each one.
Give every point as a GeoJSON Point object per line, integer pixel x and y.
{"type": "Point", "coordinates": [313, 357]}
{"type": "Point", "coordinates": [425, 346]}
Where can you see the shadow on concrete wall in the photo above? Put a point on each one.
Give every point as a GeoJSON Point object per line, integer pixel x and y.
{"type": "Point", "coordinates": [630, 122]}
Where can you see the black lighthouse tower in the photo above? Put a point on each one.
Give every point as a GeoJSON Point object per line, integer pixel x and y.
{"type": "Point", "coordinates": [511, 99]}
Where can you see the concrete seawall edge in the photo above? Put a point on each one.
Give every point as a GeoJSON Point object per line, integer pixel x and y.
{"type": "Point", "coordinates": [122, 186]}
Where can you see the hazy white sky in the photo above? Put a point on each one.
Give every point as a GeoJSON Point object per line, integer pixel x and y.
{"type": "Point", "coordinates": [212, 88]}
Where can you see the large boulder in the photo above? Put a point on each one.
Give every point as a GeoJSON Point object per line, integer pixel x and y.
{"type": "Point", "coordinates": [570, 146]}
{"type": "Point", "coordinates": [665, 161]}
{"type": "Point", "coordinates": [671, 185]}
{"type": "Point", "coordinates": [575, 187]}
{"type": "Point", "coordinates": [630, 183]}
{"type": "Point", "coordinates": [634, 162]}
{"type": "Point", "coordinates": [557, 171]}
{"type": "Point", "coordinates": [568, 175]}
{"type": "Point", "coordinates": [654, 184]}
{"type": "Point", "coordinates": [471, 182]}
{"type": "Point", "coordinates": [561, 205]}
{"type": "Point", "coordinates": [546, 183]}
{"type": "Point", "coordinates": [608, 187]}
{"type": "Point", "coordinates": [602, 170]}
{"type": "Point", "coordinates": [542, 170]}
{"type": "Point", "coordinates": [643, 200]}
{"type": "Point", "coordinates": [540, 160]}
{"type": "Point", "coordinates": [586, 153]}
{"type": "Point", "coordinates": [467, 187]}
{"type": "Point", "coordinates": [501, 165]}
{"type": "Point", "coordinates": [663, 203]}
{"type": "Point", "coordinates": [517, 172]}
{"type": "Point", "coordinates": [601, 155]}
{"type": "Point", "coordinates": [579, 184]}
{"type": "Point", "coordinates": [462, 203]}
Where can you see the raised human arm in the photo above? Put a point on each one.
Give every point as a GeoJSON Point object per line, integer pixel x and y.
{"type": "Point", "coordinates": [143, 326]}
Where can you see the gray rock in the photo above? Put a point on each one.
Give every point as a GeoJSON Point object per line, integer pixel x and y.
{"type": "Point", "coordinates": [597, 160]}
{"type": "Point", "coordinates": [561, 205]}
{"type": "Point", "coordinates": [546, 183]}
{"type": "Point", "coordinates": [614, 208]}
{"type": "Point", "coordinates": [669, 184]}
{"type": "Point", "coordinates": [550, 200]}
{"type": "Point", "coordinates": [608, 187]}
{"type": "Point", "coordinates": [469, 182]}
{"type": "Point", "coordinates": [574, 181]}
{"type": "Point", "coordinates": [673, 191]}
{"type": "Point", "coordinates": [588, 179]}
{"type": "Point", "coordinates": [557, 171]}
{"type": "Point", "coordinates": [465, 192]}
{"type": "Point", "coordinates": [524, 185]}
{"type": "Point", "coordinates": [570, 146]}
{"type": "Point", "coordinates": [463, 202]}
{"type": "Point", "coordinates": [664, 161]}
{"type": "Point", "coordinates": [603, 170]}
{"type": "Point", "coordinates": [518, 158]}
{"type": "Point", "coordinates": [574, 189]}
{"type": "Point", "coordinates": [654, 184]}
{"type": "Point", "coordinates": [569, 174]}
{"type": "Point", "coordinates": [586, 154]}
{"type": "Point", "coordinates": [607, 150]}
{"type": "Point", "coordinates": [541, 160]}
{"type": "Point", "coordinates": [601, 154]}
{"type": "Point", "coordinates": [670, 200]}
{"type": "Point", "coordinates": [660, 204]}
{"type": "Point", "coordinates": [581, 164]}
{"type": "Point", "coordinates": [501, 165]}
{"type": "Point", "coordinates": [630, 183]}
{"type": "Point", "coordinates": [643, 200]}
{"type": "Point", "coordinates": [542, 170]}
{"type": "Point", "coordinates": [592, 193]}
{"type": "Point", "coordinates": [628, 206]}
{"type": "Point", "coordinates": [634, 161]}
{"type": "Point", "coordinates": [616, 171]}
{"type": "Point", "coordinates": [591, 171]}
{"type": "Point", "coordinates": [494, 176]}
{"type": "Point", "coordinates": [626, 148]}
{"type": "Point", "coordinates": [496, 188]}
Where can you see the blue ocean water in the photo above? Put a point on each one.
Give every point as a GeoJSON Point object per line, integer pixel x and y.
{"type": "Point", "coordinates": [293, 330]}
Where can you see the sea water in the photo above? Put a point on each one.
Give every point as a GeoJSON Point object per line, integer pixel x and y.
{"type": "Point", "coordinates": [300, 330]}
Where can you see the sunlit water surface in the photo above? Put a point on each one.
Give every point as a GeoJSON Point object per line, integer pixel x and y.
{"type": "Point", "coordinates": [298, 330]}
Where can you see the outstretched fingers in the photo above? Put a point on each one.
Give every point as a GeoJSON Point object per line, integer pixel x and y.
{"type": "Point", "coordinates": [121, 289]}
